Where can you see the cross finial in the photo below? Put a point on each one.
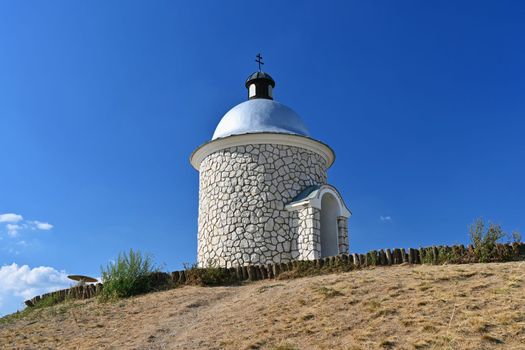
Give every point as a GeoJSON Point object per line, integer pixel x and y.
{"type": "Point", "coordinates": [259, 60]}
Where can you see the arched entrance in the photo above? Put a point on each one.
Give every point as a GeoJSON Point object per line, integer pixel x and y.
{"type": "Point", "coordinates": [329, 229]}
{"type": "Point", "coordinates": [319, 222]}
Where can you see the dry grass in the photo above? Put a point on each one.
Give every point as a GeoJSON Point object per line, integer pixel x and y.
{"type": "Point", "coordinates": [480, 306]}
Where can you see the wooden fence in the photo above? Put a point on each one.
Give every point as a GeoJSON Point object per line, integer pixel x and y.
{"type": "Point", "coordinates": [457, 254]}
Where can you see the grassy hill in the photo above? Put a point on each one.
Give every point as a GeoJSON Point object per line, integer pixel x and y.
{"type": "Point", "coordinates": [477, 306]}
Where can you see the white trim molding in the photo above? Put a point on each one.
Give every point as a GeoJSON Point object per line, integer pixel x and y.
{"type": "Point", "coordinates": [314, 198]}
{"type": "Point", "coordinates": [304, 142]}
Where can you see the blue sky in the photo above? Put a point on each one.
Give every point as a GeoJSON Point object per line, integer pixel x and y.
{"type": "Point", "coordinates": [101, 104]}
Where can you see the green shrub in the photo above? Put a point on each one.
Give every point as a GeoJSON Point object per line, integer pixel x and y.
{"type": "Point", "coordinates": [484, 241]}
{"type": "Point", "coordinates": [129, 275]}
{"type": "Point", "coordinates": [307, 268]}
{"type": "Point", "coordinates": [209, 276]}
{"type": "Point", "coordinates": [49, 300]}
{"type": "Point", "coordinates": [372, 257]}
{"type": "Point", "coordinates": [450, 255]}
{"type": "Point", "coordinates": [443, 255]}
{"type": "Point", "coordinates": [427, 256]}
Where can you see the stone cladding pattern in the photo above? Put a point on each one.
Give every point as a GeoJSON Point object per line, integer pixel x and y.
{"type": "Point", "coordinates": [243, 191]}
{"type": "Point", "coordinates": [342, 239]}
{"type": "Point", "coordinates": [309, 233]}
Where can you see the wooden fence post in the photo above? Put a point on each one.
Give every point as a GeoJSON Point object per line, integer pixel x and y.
{"type": "Point", "coordinates": [389, 258]}
{"type": "Point", "coordinates": [404, 257]}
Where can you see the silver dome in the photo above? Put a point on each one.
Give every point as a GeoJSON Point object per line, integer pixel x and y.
{"type": "Point", "coordinates": [260, 115]}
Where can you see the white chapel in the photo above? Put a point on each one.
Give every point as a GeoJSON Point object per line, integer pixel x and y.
{"type": "Point", "coordinates": [263, 190]}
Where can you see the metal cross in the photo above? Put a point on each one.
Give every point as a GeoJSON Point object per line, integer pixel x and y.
{"type": "Point", "coordinates": [259, 60]}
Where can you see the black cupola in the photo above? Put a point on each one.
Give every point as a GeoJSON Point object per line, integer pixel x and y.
{"type": "Point", "coordinates": [260, 85]}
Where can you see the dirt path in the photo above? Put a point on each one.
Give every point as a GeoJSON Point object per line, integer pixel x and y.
{"type": "Point", "coordinates": [479, 306]}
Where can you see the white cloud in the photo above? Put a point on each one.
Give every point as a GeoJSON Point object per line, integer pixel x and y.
{"type": "Point", "coordinates": [12, 229]}
{"type": "Point", "coordinates": [15, 223]}
{"type": "Point", "coordinates": [10, 217]}
{"type": "Point", "coordinates": [42, 225]}
{"type": "Point", "coordinates": [385, 218]}
{"type": "Point", "coordinates": [20, 283]}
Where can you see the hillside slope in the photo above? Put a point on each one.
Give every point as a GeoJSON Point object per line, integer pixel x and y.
{"type": "Point", "coordinates": [479, 306]}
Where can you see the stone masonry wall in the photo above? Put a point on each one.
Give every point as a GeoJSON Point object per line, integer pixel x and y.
{"type": "Point", "coordinates": [308, 228]}
{"type": "Point", "coordinates": [342, 239]}
{"type": "Point", "coordinates": [242, 194]}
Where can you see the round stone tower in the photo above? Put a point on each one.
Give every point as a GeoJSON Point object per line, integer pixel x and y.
{"type": "Point", "coordinates": [263, 192]}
